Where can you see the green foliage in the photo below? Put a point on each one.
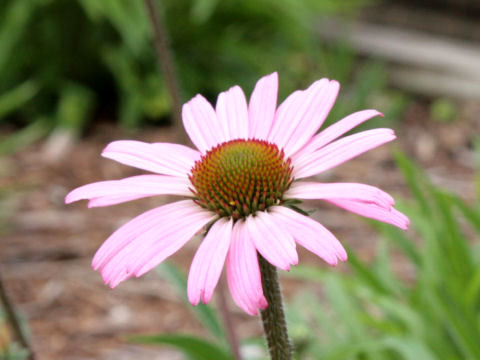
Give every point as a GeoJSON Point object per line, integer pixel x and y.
{"type": "Point", "coordinates": [204, 313]}
{"type": "Point", "coordinates": [9, 349]}
{"type": "Point", "coordinates": [194, 347]}
{"type": "Point", "coordinates": [443, 110]}
{"type": "Point", "coordinates": [476, 143]}
{"type": "Point", "coordinates": [98, 56]}
{"type": "Point", "coordinates": [13, 352]}
{"type": "Point", "coordinates": [429, 311]}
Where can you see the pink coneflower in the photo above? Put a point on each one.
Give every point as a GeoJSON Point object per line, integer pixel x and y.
{"type": "Point", "coordinates": [242, 185]}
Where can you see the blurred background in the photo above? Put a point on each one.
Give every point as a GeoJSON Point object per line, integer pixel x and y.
{"type": "Point", "coordinates": [77, 74]}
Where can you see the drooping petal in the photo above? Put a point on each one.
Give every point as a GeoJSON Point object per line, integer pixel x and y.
{"type": "Point", "coordinates": [373, 211]}
{"type": "Point", "coordinates": [113, 200]}
{"type": "Point", "coordinates": [232, 110]}
{"type": "Point", "coordinates": [310, 234]}
{"type": "Point", "coordinates": [201, 124]}
{"type": "Point", "coordinates": [208, 262]}
{"type": "Point", "coordinates": [336, 130]}
{"type": "Point", "coordinates": [340, 151]}
{"type": "Point", "coordinates": [153, 253]}
{"type": "Point", "coordinates": [130, 188]}
{"type": "Point", "coordinates": [170, 225]}
{"type": "Point", "coordinates": [347, 191]}
{"type": "Point", "coordinates": [162, 158]}
{"type": "Point", "coordinates": [274, 244]}
{"type": "Point", "coordinates": [292, 111]}
{"type": "Point", "coordinates": [243, 271]}
{"type": "Point", "coordinates": [262, 106]}
{"type": "Point", "coordinates": [138, 225]}
{"type": "Point", "coordinates": [318, 103]}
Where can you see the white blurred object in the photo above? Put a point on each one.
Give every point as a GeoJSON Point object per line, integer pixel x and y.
{"type": "Point", "coordinates": [58, 145]}
{"type": "Point", "coordinates": [430, 64]}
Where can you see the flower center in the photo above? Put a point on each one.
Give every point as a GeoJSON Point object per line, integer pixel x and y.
{"type": "Point", "coordinates": [239, 177]}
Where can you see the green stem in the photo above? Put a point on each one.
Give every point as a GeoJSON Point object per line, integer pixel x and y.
{"type": "Point", "coordinates": [273, 317]}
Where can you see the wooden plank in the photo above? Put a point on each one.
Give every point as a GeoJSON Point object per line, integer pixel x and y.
{"type": "Point", "coordinates": [434, 84]}
{"type": "Point", "coordinates": [431, 64]}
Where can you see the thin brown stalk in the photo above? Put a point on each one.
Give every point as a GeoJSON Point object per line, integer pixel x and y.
{"type": "Point", "coordinates": [165, 61]}
{"type": "Point", "coordinates": [14, 321]}
{"type": "Point", "coordinates": [228, 321]}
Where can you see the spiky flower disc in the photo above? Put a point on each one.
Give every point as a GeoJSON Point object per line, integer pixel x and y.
{"type": "Point", "coordinates": [239, 177]}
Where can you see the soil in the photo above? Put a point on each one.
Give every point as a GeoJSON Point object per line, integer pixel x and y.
{"type": "Point", "coordinates": [46, 247]}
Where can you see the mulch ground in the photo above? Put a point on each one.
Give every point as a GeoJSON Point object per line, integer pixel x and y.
{"type": "Point", "coordinates": [46, 247]}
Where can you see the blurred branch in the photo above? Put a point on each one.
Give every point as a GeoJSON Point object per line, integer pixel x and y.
{"type": "Point", "coordinates": [165, 61]}
{"type": "Point", "coordinates": [228, 320]}
{"type": "Point", "coordinates": [14, 321]}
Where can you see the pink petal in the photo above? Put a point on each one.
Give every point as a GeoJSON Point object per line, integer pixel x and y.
{"type": "Point", "coordinates": [117, 256]}
{"type": "Point", "coordinates": [336, 130]}
{"type": "Point", "coordinates": [292, 111]}
{"type": "Point", "coordinates": [373, 211]}
{"type": "Point", "coordinates": [137, 226]}
{"type": "Point", "coordinates": [208, 262]}
{"type": "Point", "coordinates": [243, 272]}
{"type": "Point", "coordinates": [130, 188]}
{"type": "Point", "coordinates": [310, 234]}
{"type": "Point", "coordinates": [272, 242]}
{"type": "Point", "coordinates": [312, 115]}
{"type": "Point", "coordinates": [201, 123]}
{"type": "Point", "coordinates": [153, 253]}
{"type": "Point", "coordinates": [162, 158]}
{"type": "Point", "coordinates": [232, 110]}
{"type": "Point", "coordinates": [347, 191]}
{"type": "Point", "coordinates": [262, 106]}
{"type": "Point", "coordinates": [113, 200]}
{"type": "Point", "coordinates": [280, 132]}
{"type": "Point", "coordinates": [340, 151]}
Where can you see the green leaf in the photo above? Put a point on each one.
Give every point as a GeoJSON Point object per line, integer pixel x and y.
{"type": "Point", "coordinates": [476, 145]}
{"type": "Point", "coordinates": [368, 275]}
{"type": "Point", "coordinates": [27, 135]}
{"type": "Point", "coordinates": [305, 272]}
{"type": "Point", "coordinates": [17, 97]}
{"type": "Point", "coordinates": [471, 214]}
{"type": "Point", "coordinates": [416, 181]}
{"type": "Point", "coordinates": [194, 347]}
{"type": "Point", "coordinates": [74, 108]}
{"type": "Point", "coordinates": [16, 16]}
{"type": "Point", "coordinates": [202, 10]}
{"type": "Point", "coordinates": [204, 313]}
{"type": "Point", "coordinates": [409, 348]}
{"type": "Point", "coordinates": [400, 239]}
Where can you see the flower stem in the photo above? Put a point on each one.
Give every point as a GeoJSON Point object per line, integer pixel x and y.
{"type": "Point", "coordinates": [8, 307]}
{"type": "Point", "coordinates": [273, 317]}
{"type": "Point", "coordinates": [164, 55]}
{"type": "Point", "coordinates": [228, 321]}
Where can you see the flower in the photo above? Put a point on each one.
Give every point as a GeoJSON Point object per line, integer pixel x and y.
{"type": "Point", "coordinates": [243, 184]}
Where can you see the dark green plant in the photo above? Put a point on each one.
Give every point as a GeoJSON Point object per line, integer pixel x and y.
{"type": "Point", "coordinates": [98, 55]}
